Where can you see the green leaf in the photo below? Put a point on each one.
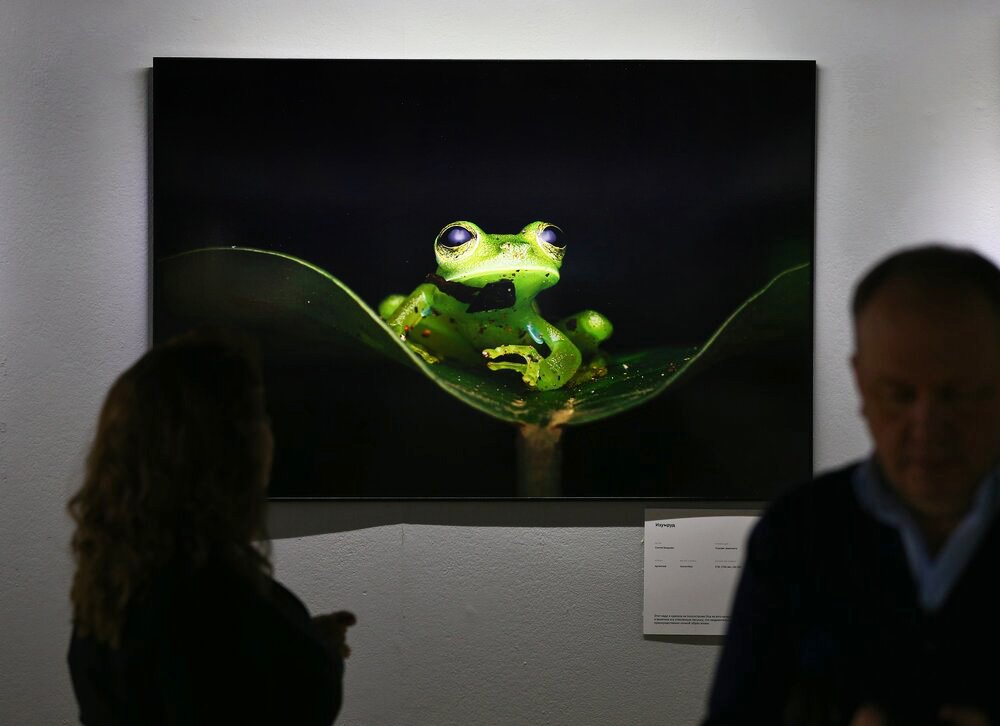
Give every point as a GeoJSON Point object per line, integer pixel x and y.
{"type": "Point", "coordinates": [304, 312]}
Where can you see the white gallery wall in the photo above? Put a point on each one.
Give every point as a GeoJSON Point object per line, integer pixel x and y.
{"type": "Point", "coordinates": [469, 613]}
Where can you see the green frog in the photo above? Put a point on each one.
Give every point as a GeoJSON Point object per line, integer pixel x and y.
{"type": "Point", "coordinates": [480, 303]}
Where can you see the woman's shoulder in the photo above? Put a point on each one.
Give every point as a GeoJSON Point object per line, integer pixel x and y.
{"type": "Point", "coordinates": [218, 612]}
{"type": "Point", "coordinates": [220, 584]}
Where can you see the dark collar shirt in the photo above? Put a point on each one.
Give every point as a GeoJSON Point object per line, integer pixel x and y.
{"type": "Point", "coordinates": [209, 647]}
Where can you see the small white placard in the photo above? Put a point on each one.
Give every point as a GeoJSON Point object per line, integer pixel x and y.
{"type": "Point", "coordinates": [692, 564]}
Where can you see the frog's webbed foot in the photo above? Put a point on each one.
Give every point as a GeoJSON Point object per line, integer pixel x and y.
{"type": "Point", "coordinates": [404, 332]}
{"type": "Point", "coordinates": [425, 354]}
{"type": "Point", "coordinates": [593, 369]}
{"type": "Point", "coordinates": [530, 370]}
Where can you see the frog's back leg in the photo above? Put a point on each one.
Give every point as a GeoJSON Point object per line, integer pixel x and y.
{"type": "Point", "coordinates": [587, 329]}
{"type": "Point", "coordinates": [389, 305]}
{"type": "Point", "coordinates": [428, 333]}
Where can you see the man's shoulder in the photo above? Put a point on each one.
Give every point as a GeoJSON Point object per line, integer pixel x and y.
{"type": "Point", "coordinates": [831, 488]}
{"type": "Point", "coordinates": [815, 505]}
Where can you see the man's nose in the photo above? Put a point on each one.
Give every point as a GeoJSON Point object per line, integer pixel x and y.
{"type": "Point", "coordinates": [928, 416]}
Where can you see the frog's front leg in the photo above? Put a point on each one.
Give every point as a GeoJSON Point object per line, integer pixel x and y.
{"type": "Point", "coordinates": [389, 305]}
{"type": "Point", "coordinates": [542, 372]}
{"type": "Point", "coordinates": [408, 314]}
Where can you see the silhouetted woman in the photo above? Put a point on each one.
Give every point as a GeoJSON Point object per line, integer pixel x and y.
{"type": "Point", "coordinates": [176, 617]}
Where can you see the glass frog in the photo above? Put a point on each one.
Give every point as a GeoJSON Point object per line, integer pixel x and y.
{"type": "Point", "coordinates": [480, 303]}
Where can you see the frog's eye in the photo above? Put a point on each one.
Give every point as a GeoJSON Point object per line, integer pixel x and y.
{"type": "Point", "coordinates": [552, 235]}
{"type": "Point", "coordinates": [454, 236]}
{"type": "Point", "coordinates": [550, 241]}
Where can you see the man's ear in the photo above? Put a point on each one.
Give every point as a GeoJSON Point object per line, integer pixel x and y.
{"type": "Point", "coordinates": [857, 383]}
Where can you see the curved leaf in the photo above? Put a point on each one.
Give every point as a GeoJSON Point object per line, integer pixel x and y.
{"type": "Point", "coordinates": [302, 310]}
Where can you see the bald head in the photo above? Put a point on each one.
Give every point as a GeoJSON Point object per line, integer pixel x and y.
{"type": "Point", "coordinates": [933, 268]}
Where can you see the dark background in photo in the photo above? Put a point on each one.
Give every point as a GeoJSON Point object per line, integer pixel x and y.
{"type": "Point", "coordinates": [682, 188]}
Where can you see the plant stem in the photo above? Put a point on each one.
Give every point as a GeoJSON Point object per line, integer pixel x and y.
{"type": "Point", "coordinates": [539, 460]}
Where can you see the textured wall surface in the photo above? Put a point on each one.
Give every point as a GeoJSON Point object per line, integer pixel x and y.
{"type": "Point", "coordinates": [496, 613]}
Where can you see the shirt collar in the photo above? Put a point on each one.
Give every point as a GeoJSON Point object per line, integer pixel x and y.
{"type": "Point", "coordinates": [934, 576]}
{"type": "Point", "coordinates": [884, 504]}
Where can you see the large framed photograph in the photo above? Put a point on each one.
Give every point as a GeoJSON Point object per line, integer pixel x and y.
{"type": "Point", "coordinates": [492, 279]}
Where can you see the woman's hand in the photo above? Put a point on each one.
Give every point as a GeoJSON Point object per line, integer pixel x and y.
{"type": "Point", "coordinates": [332, 629]}
{"type": "Point", "coordinates": [953, 715]}
{"type": "Point", "coordinates": [960, 716]}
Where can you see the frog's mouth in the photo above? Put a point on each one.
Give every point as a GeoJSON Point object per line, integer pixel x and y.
{"type": "Point", "coordinates": [492, 296]}
{"type": "Point", "coordinates": [512, 270]}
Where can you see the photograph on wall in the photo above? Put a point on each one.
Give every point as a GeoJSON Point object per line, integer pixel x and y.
{"type": "Point", "coordinates": [495, 279]}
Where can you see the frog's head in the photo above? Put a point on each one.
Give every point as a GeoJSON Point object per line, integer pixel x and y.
{"type": "Point", "coordinates": [531, 258]}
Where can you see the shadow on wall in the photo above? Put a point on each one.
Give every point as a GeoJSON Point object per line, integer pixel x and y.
{"type": "Point", "coordinates": [304, 518]}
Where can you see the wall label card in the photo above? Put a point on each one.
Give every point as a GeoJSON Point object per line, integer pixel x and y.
{"type": "Point", "coordinates": [692, 564]}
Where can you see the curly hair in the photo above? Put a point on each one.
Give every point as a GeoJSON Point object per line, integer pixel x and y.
{"type": "Point", "coordinates": [177, 474]}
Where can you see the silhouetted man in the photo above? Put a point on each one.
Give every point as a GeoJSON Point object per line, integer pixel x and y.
{"type": "Point", "coordinates": [868, 596]}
